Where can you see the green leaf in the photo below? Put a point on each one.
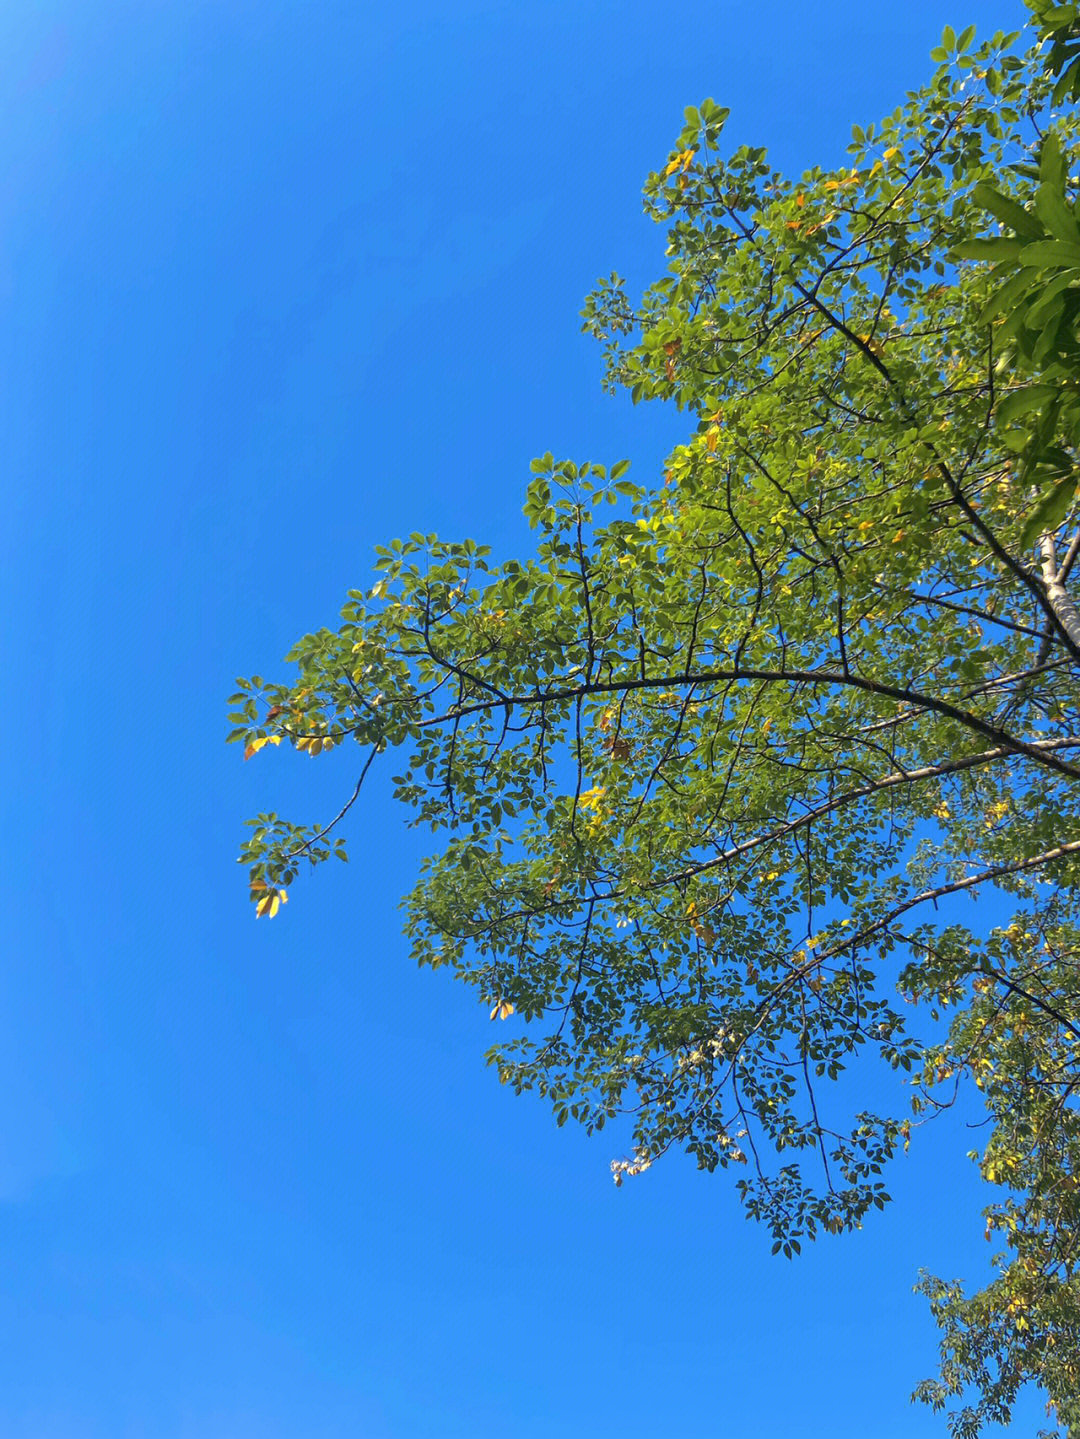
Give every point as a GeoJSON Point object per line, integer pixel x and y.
{"type": "Point", "coordinates": [1049, 292]}
{"type": "Point", "coordinates": [1006, 297]}
{"type": "Point", "coordinates": [1007, 211]}
{"type": "Point", "coordinates": [1055, 213]}
{"type": "Point", "coordinates": [1045, 253]}
{"type": "Point", "coordinates": [1003, 248]}
{"type": "Point", "coordinates": [1049, 512]}
{"type": "Point", "coordinates": [1020, 402]}
{"type": "Point", "coordinates": [1051, 163]}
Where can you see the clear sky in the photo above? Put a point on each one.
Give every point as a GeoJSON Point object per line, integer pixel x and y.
{"type": "Point", "coordinates": [279, 281]}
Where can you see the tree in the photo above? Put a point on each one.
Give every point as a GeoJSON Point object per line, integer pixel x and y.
{"type": "Point", "coordinates": [715, 775]}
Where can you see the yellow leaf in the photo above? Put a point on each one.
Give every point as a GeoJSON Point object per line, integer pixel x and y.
{"type": "Point", "coordinates": [271, 901]}
{"type": "Point", "coordinates": [891, 151]}
{"type": "Point", "coordinates": [503, 1009]}
{"type": "Point", "coordinates": [682, 161]}
{"type": "Point", "coordinates": [255, 745]}
{"type": "Point", "coordinates": [592, 797]}
{"type": "Point", "coordinates": [711, 437]}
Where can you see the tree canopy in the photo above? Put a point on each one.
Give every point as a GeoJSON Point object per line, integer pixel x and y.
{"type": "Point", "coordinates": [716, 770]}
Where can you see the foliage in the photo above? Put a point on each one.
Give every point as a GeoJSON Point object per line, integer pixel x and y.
{"type": "Point", "coordinates": [717, 774]}
{"type": "Point", "coordinates": [1038, 300]}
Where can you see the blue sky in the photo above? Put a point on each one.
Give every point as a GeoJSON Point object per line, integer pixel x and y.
{"type": "Point", "coordinates": [278, 282]}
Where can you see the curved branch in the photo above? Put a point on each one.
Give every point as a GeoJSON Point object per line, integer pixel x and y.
{"type": "Point", "coordinates": [851, 680]}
